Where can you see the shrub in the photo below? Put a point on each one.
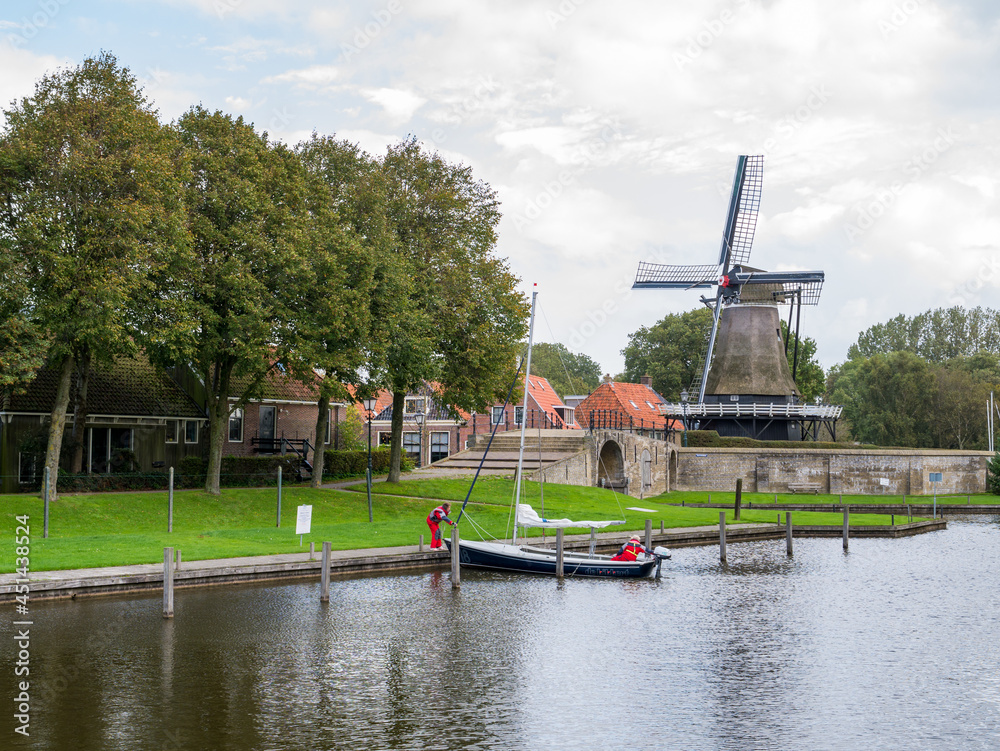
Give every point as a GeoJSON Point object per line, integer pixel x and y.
{"type": "Point", "coordinates": [711, 439]}
{"type": "Point", "coordinates": [993, 474]}
{"type": "Point", "coordinates": [352, 463]}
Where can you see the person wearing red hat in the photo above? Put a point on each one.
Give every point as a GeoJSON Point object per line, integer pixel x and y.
{"type": "Point", "coordinates": [630, 550]}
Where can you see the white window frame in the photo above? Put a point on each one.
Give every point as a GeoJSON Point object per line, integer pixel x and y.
{"type": "Point", "coordinates": [196, 428]}
{"type": "Point", "coordinates": [236, 413]}
{"type": "Point", "coordinates": [413, 404]}
{"type": "Point", "coordinates": [447, 442]}
{"type": "Point", "coordinates": [166, 431]}
{"type": "Point", "coordinates": [518, 414]}
{"type": "Point", "coordinates": [380, 435]}
{"type": "Point", "coordinates": [497, 415]}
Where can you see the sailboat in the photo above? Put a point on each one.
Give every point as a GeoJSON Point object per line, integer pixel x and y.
{"type": "Point", "coordinates": [503, 556]}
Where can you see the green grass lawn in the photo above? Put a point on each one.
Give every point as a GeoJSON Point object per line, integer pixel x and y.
{"type": "Point", "coordinates": [113, 529]}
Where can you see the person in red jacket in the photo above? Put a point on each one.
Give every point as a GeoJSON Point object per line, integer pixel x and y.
{"type": "Point", "coordinates": [434, 519]}
{"type": "Point", "coordinates": [630, 550]}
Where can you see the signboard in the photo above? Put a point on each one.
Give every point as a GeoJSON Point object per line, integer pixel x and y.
{"type": "Point", "coordinates": [303, 520]}
{"type": "Point", "coordinates": [884, 481]}
{"type": "Point", "coordinates": [935, 476]}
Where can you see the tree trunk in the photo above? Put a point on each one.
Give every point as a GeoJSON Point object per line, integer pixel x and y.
{"type": "Point", "coordinates": [218, 421]}
{"type": "Point", "coordinates": [322, 420]}
{"type": "Point", "coordinates": [80, 414]}
{"type": "Point", "coordinates": [396, 450]}
{"type": "Point", "coordinates": [57, 424]}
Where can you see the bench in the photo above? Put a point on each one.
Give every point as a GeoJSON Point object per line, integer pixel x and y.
{"type": "Point", "coordinates": [804, 487]}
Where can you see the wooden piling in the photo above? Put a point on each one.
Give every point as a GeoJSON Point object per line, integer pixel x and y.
{"type": "Point", "coordinates": [312, 550]}
{"type": "Point", "coordinates": [324, 589]}
{"type": "Point", "coordinates": [722, 536]}
{"type": "Point", "coordinates": [788, 532]}
{"type": "Point", "coordinates": [847, 526]}
{"type": "Point", "coordinates": [593, 541]}
{"type": "Point", "coordinates": [46, 491]}
{"type": "Point", "coordinates": [168, 582]}
{"type": "Point", "coordinates": [560, 551]}
{"type": "Point", "coordinates": [421, 543]}
{"type": "Point", "coordinates": [648, 542]}
{"type": "Point", "coordinates": [456, 568]}
{"type": "Point", "coordinates": [177, 562]}
{"type": "Point", "coordinates": [170, 500]}
{"type": "Point", "coordinates": [661, 526]}
{"type": "Point", "coordinates": [739, 499]}
{"type": "Point", "coordinates": [909, 514]}
{"type": "Point", "coordinates": [279, 497]}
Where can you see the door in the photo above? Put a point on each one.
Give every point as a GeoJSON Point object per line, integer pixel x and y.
{"type": "Point", "coordinates": [265, 428]}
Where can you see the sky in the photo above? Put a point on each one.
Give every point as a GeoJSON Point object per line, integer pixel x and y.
{"type": "Point", "coordinates": [610, 130]}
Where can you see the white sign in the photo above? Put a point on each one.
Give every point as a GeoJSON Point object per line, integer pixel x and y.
{"type": "Point", "coordinates": [303, 520]}
{"type": "Point", "coordinates": [883, 481]}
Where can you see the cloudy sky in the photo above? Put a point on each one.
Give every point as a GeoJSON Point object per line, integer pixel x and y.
{"type": "Point", "coordinates": [611, 129]}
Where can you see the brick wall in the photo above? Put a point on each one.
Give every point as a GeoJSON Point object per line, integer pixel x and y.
{"type": "Point", "coordinates": [862, 472]}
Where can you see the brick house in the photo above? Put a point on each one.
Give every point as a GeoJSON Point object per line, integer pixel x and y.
{"type": "Point", "coordinates": [626, 406]}
{"type": "Point", "coordinates": [545, 410]}
{"type": "Point", "coordinates": [134, 411]}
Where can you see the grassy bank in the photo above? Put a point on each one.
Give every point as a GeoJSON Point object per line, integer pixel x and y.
{"type": "Point", "coordinates": [112, 529]}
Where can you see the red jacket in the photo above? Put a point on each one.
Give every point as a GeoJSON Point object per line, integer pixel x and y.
{"type": "Point", "coordinates": [630, 551]}
{"type": "Point", "coordinates": [437, 516]}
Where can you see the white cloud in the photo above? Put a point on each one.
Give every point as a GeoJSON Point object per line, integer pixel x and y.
{"type": "Point", "coordinates": [315, 76]}
{"type": "Point", "coordinates": [399, 105]}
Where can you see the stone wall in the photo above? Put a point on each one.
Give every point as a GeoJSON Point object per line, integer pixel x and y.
{"type": "Point", "coordinates": [847, 471]}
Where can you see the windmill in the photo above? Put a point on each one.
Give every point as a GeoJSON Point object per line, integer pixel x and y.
{"type": "Point", "coordinates": [749, 374]}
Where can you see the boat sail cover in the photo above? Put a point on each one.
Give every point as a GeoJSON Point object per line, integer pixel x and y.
{"type": "Point", "coordinates": [527, 517]}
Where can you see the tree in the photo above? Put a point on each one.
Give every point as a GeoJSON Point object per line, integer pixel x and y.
{"type": "Point", "coordinates": [936, 335]}
{"type": "Point", "coordinates": [567, 372]}
{"type": "Point", "coordinates": [809, 375]}
{"type": "Point", "coordinates": [887, 399]}
{"type": "Point", "coordinates": [462, 321]}
{"type": "Point", "coordinates": [342, 329]}
{"type": "Point", "coordinates": [229, 303]}
{"type": "Point", "coordinates": [993, 474]}
{"type": "Point", "coordinates": [90, 205]}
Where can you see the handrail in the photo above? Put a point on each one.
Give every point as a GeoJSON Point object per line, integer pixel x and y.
{"type": "Point", "coordinates": [800, 411]}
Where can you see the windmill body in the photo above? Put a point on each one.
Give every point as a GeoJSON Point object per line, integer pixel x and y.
{"type": "Point", "coordinates": [746, 387]}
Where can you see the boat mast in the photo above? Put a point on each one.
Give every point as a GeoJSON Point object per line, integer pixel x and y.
{"type": "Point", "coordinates": [524, 411]}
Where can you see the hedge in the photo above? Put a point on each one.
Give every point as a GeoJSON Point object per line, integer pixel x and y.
{"type": "Point", "coordinates": [711, 439]}
{"type": "Point", "coordinates": [352, 463]}
{"type": "Point", "coordinates": [239, 471]}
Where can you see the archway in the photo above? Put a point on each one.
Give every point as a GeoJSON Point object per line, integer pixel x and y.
{"type": "Point", "coordinates": [611, 466]}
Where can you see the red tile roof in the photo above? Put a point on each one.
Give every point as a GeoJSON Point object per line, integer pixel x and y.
{"type": "Point", "coordinates": [634, 400]}
{"type": "Point", "coordinates": [540, 391]}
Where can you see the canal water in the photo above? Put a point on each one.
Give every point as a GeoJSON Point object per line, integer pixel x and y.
{"type": "Point", "coordinates": [893, 645]}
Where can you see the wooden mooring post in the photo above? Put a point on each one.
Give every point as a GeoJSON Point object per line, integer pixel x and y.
{"type": "Point", "coordinates": [847, 526]}
{"type": "Point", "coordinates": [421, 549]}
{"type": "Point", "coordinates": [170, 500]}
{"type": "Point", "coordinates": [456, 566]}
{"type": "Point", "coordinates": [788, 532]}
{"type": "Point", "coordinates": [324, 578]}
{"type": "Point", "coordinates": [168, 582]}
{"type": "Point", "coordinates": [279, 497]}
{"type": "Point", "coordinates": [312, 551]}
{"type": "Point", "coordinates": [47, 491]}
{"type": "Point", "coordinates": [739, 498]}
{"type": "Point", "coordinates": [649, 535]}
{"type": "Point", "coordinates": [560, 552]}
{"type": "Point", "coordinates": [177, 561]}
{"type": "Point", "coordinates": [722, 536]}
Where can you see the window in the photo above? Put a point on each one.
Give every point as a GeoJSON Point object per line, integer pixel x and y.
{"type": "Point", "coordinates": [190, 431]}
{"type": "Point", "coordinates": [636, 406]}
{"type": "Point", "coordinates": [411, 445]}
{"type": "Point", "coordinates": [650, 404]}
{"type": "Point", "coordinates": [171, 430]}
{"type": "Point", "coordinates": [518, 415]}
{"type": "Point", "coordinates": [384, 439]}
{"type": "Point", "coordinates": [569, 415]}
{"type": "Point", "coordinates": [497, 416]}
{"type": "Point", "coordinates": [439, 446]}
{"type": "Point", "coordinates": [412, 405]}
{"type": "Point", "coordinates": [26, 464]}
{"type": "Point", "coordinates": [235, 426]}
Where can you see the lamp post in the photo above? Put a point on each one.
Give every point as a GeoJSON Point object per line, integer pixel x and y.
{"type": "Point", "coordinates": [684, 409]}
{"type": "Point", "coordinates": [419, 417]}
{"type": "Point", "coordinates": [370, 408]}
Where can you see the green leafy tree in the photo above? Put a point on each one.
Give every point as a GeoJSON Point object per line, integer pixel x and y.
{"type": "Point", "coordinates": [229, 309]}
{"type": "Point", "coordinates": [809, 375]}
{"type": "Point", "coordinates": [90, 205]}
{"type": "Point", "coordinates": [887, 399]}
{"type": "Point", "coordinates": [462, 320]}
{"type": "Point", "coordinates": [993, 474]}
{"type": "Point", "coordinates": [936, 335]}
{"type": "Point", "coordinates": [568, 373]}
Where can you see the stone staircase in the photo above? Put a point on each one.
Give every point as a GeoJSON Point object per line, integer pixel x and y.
{"type": "Point", "coordinates": [539, 451]}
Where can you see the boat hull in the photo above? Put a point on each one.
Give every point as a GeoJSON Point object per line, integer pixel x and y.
{"type": "Point", "coordinates": [502, 557]}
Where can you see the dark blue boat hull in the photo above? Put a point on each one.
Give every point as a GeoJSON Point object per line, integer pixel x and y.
{"type": "Point", "coordinates": [494, 557]}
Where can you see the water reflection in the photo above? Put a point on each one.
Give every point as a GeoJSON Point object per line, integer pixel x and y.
{"type": "Point", "coordinates": [891, 646]}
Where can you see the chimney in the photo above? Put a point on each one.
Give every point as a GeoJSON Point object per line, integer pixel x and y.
{"type": "Point", "coordinates": [607, 378]}
{"type": "Point", "coordinates": [647, 381]}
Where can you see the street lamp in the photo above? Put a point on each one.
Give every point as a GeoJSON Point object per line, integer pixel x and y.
{"type": "Point", "coordinates": [370, 408]}
{"type": "Point", "coordinates": [684, 410]}
{"type": "Point", "coordinates": [419, 417]}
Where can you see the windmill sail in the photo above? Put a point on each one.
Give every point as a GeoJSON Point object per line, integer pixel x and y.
{"type": "Point", "coordinates": [744, 205]}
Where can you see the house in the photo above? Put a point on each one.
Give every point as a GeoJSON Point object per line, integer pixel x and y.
{"type": "Point", "coordinates": [135, 410]}
{"type": "Point", "coordinates": [545, 410]}
{"type": "Point", "coordinates": [618, 405]}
